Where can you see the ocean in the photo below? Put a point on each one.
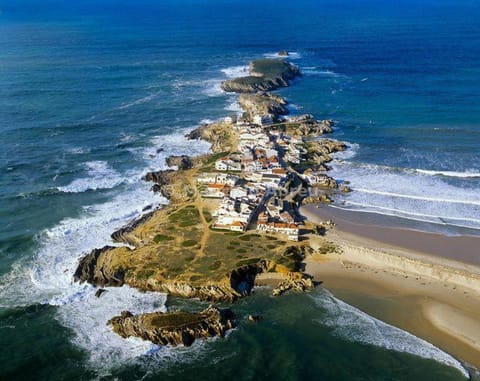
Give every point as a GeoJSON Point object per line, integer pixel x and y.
{"type": "Point", "coordinates": [95, 94]}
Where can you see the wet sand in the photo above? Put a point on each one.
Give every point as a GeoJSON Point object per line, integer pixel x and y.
{"type": "Point", "coordinates": [399, 276]}
{"type": "Point", "coordinates": [392, 231]}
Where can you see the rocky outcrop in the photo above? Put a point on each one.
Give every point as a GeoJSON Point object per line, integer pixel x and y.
{"type": "Point", "coordinates": [89, 270]}
{"type": "Point", "coordinates": [174, 328]}
{"type": "Point", "coordinates": [263, 104]}
{"type": "Point", "coordinates": [265, 75]}
{"type": "Point", "coordinates": [307, 125]}
{"type": "Point", "coordinates": [283, 53]}
{"type": "Point", "coordinates": [320, 151]}
{"type": "Point", "coordinates": [182, 162]}
{"type": "Point", "coordinates": [317, 199]}
{"type": "Point", "coordinates": [122, 234]}
{"type": "Point", "coordinates": [162, 180]}
{"type": "Point", "coordinates": [294, 284]}
{"type": "Point", "coordinates": [219, 135]}
{"type": "Point", "coordinates": [324, 181]}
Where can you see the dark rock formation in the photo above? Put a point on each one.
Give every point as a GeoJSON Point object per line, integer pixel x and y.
{"type": "Point", "coordinates": [89, 271]}
{"type": "Point", "coordinates": [174, 328]}
{"type": "Point", "coordinates": [265, 75]}
{"type": "Point", "coordinates": [99, 292]}
{"type": "Point", "coordinates": [294, 284]}
{"type": "Point", "coordinates": [242, 280]}
{"type": "Point", "coordinates": [121, 235]}
{"type": "Point", "coordinates": [283, 53]}
{"type": "Point", "coordinates": [254, 318]}
{"type": "Point", "coordinates": [162, 179]}
{"type": "Point", "coordinates": [183, 162]}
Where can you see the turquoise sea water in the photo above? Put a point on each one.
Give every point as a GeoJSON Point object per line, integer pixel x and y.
{"type": "Point", "coordinates": [94, 95]}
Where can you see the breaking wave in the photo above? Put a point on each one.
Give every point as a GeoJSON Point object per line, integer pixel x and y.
{"type": "Point", "coordinates": [353, 324]}
{"type": "Point", "coordinates": [100, 176]}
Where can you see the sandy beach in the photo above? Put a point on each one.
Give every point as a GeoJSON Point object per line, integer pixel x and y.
{"type": "Point", "coordinates": [424, 283]}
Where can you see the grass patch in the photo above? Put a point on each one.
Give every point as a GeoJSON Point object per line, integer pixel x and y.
{"type": "Point", "coordinates": [189, 243]}
{"type": "Point", "coordinates": [248, 237]}
{"type": "Point", "coordinates": [248, 261]}
{"type": "Point", "coordinates": [241, 250]}
{"type": "Point", "coordinates": [215, 265]}
{"type": "Point", "coordinates": [162, 238]}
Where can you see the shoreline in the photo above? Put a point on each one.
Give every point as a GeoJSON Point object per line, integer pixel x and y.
{"type": "Point", "coordinates": [434, 297]}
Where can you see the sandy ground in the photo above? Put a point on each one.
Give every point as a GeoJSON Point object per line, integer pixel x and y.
{"type": "Point", "coordinates": [434, 297]}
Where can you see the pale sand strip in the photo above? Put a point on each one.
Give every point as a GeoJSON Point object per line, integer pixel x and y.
{"type": "Point", "coordinates": [455, 322]}
{"type": "Point", "coordinates": [435, 298]}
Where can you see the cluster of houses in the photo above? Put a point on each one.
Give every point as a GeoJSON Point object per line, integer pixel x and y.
{"type": "Point", "coordinates": [247, 179]}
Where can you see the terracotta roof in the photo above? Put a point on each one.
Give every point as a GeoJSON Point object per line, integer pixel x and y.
{"type": "Point", "coordinates": [216, 186]}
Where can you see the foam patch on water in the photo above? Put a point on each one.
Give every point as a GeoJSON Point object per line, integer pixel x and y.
{"type": "Point", "coordinates": [88, 315]}
{"type": "Point", "coordinates": [291, 55]}
{"type": "Point", "coordinates": [236, 71]}
{"type": "Point", "coordinates": [173, 144]}
{"type": "Point", "coordinates": [410, 193]}
{"type": "Point", "coordinates": [48, 277]}
{"type": "Point", "coordinates": [139, 101]}
{"type": "Point", "coordinates": [100, 176]}
{"type": "Point", "coordinates": [353, 324]}
{"type": "Point", "coordinates": [213, 88]}
{"type": "Point", "coordinates": [318, 71]}
{"type": "Point", "coordinates": [466, 174]}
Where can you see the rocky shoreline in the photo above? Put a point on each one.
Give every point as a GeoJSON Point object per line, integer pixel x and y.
{"type": "Point", "coordinates": [265, 75]}
{"type": "Point", "coordinates": [178, 250]}
{"type": "Point", "coordinates": [174, 328]}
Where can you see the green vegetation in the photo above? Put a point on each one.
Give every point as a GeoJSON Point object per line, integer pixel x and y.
{"type": "Point", "coordinates": [189, 243]}
{"type": "Point", "coordinates": [162, 238]}
{"type": "Point", "coordinates": [270, 68]}
{"type": "Point", "coordinates": [328, 247]}
{"type": "Point", "coordinates": [207, 215]}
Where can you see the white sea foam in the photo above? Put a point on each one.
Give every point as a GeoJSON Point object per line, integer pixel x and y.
{"type": "Point", "coordinates": [88, 316]}
{"type": "Point", "coordinates": [408, 193]}
{"type": "Point", "coordinates": [48, 277]}
{"type": "Point", "coordinates": [314, 70]}
{"type": "Point", "coordinates": [173, 144]}
{"type": "Point", "coordinates": [467, 174]}
{"type": "Point", "coordinates": [212, 88]}
{"type": "Point", "coordinates": [236, 71]}
{"type": "Point", "coordinates": [349, 153]}
{"type": "Point", "coordinates": [77, 150]}
{"type": "Point", "coordinates": [145, 99]}
{"type": "Point", "coordinates": [234, 106]}
{"type": "Point", "coordinates": [100, 176]}
{"type": "Point", "coordinates": [353, 324]}
{"type": "Point", "coordinates": [291, 55]}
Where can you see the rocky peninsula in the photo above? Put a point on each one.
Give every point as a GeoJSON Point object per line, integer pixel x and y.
{"type": "Point", "coordinates": [232, 215]}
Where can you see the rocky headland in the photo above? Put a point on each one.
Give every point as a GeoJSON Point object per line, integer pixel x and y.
{"type": "Point", "coordinates": [174, 328]}
{"type": "Point", "coordinates": [183, 250]}
{"type": "Point", "coordinates": [265, 75]}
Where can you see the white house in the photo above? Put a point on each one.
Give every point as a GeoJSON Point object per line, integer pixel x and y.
{"type": "Point", "coordinates": [238, 192]}
{"type": "Point", "coordinates": [263, 120]}
{"type": "Point", "coordinates": [227, 165]}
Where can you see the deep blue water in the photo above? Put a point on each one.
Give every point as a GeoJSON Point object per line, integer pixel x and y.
{"type": "Point", "coordinates": [90, 92]}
